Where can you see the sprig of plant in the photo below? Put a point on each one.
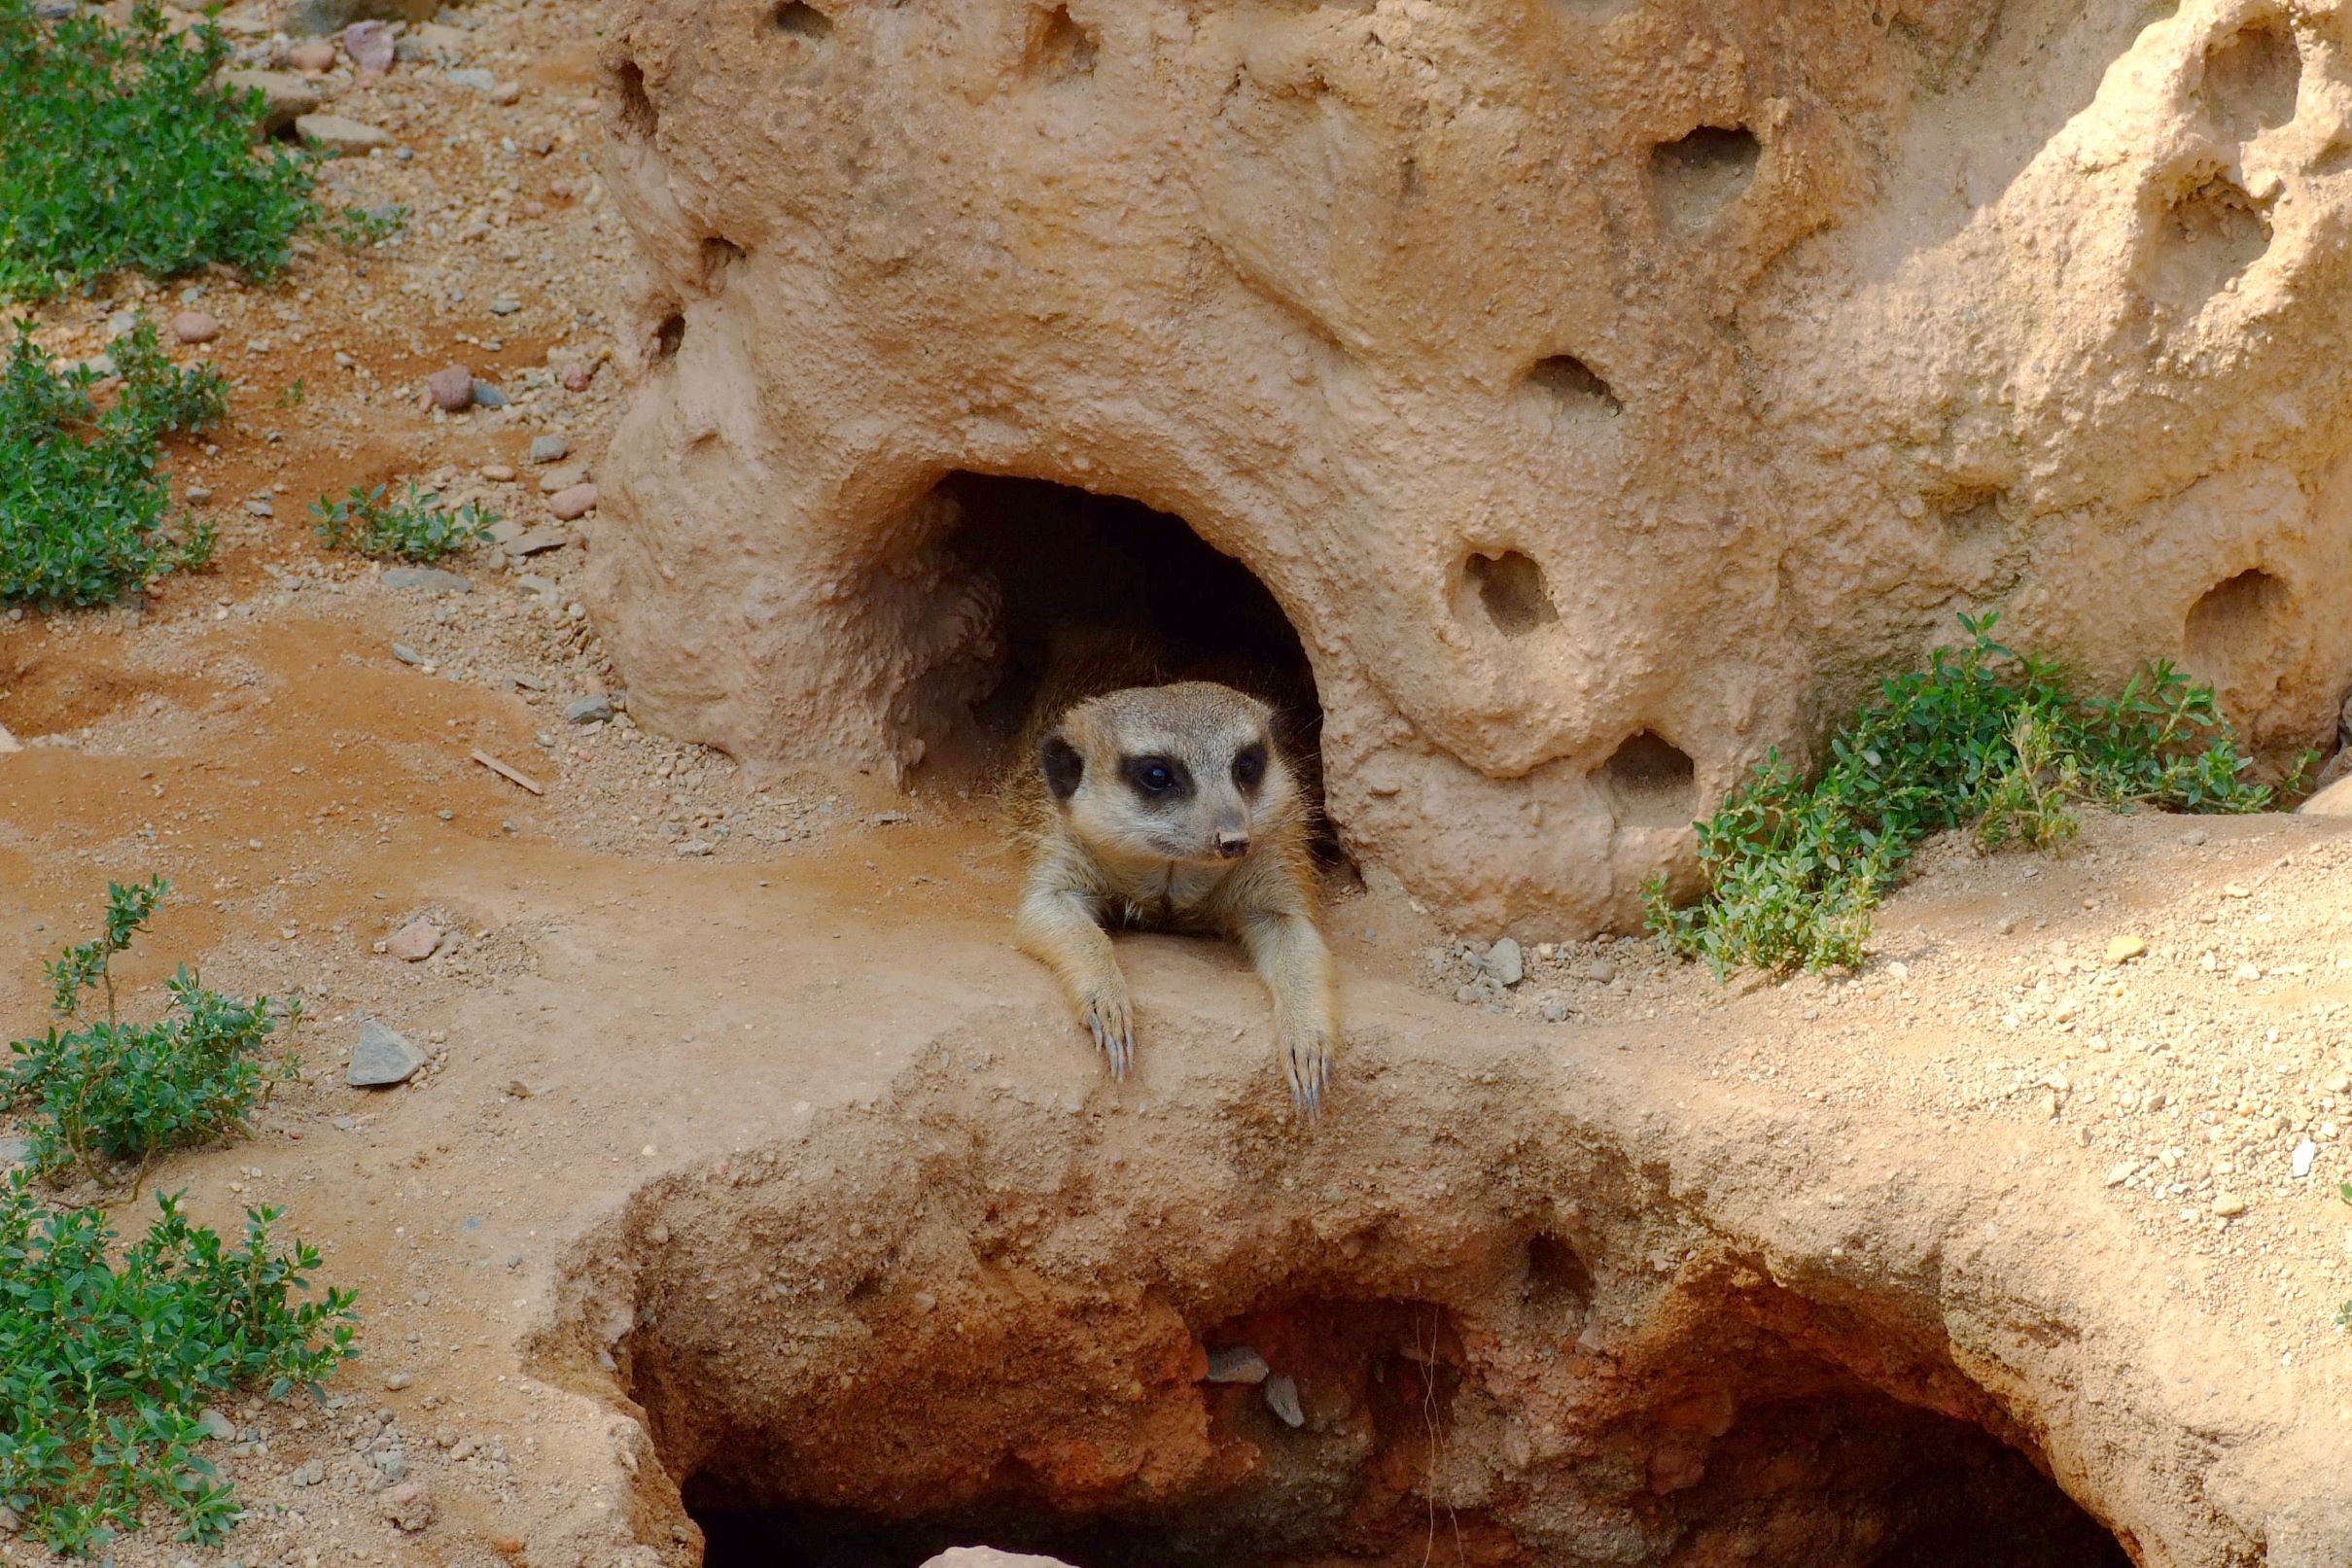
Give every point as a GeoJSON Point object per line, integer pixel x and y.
{"type": "Point", "coordinates": [359, 227]}
{"type": "Point", "coordinates": [81, 506]}
{"type": "Point", "coordinates": [106, 1368]}
{"type": "Point", "coordinates": [119, 149]}
{"type": "Point", "coordinates": [1987, 739]}
{"type": "Point", "coordinates": [102, 1091]}
{"type": "Point", "coordinates": [415, 528]}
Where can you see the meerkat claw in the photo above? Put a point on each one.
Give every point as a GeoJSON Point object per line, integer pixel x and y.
{"type": "Point", "coordinates": [1106, 1019]}
{"type": "Point", "coordinates": [1307, 1064]}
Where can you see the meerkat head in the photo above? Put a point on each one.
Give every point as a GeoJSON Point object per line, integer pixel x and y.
{"type": "Point", "coordinates": [1187, 772]}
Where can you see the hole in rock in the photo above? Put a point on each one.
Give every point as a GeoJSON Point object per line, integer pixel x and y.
{"type": "Point", "coordinates": [802, 21]}
{"type": "Point", "coordinates": [1059, 49]}
{"type": "Point", "coordinates": [637, 116]}
{"type": "Point", "coordinates": [1573, 386]}
{"type": "Point", "coordinates": [1510, 588]}
{"type": "Point", "coordinates": [1695, 178]}
{"type": "Point", "coordinates": [866, 1418]}
{"type": "Point", "coordinates": [718, 254]}
{"type": "Point", "coordinates": [1650, 782]}
{"type": "Point", "coordinates": [2205, 239]}
{"type": "Point", "coordinates": [2235, 635]}
{"type": "Point", "coordinates": [2250, 80]}
{"type": "Point", "coordinates": [1100, 588]}
{"type": "Point", "coordinates": [670, 336]}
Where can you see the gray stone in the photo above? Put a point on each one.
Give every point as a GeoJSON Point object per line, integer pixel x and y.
{"type": "Point", "coordinates": [1600, 971]}
{"type": "Point", "coordinates": [1282, 1397]}
{"type": "Point", "coordinates": [427, 580]}
{"type": "Point", "coordinates": [16, 1151]}
{"type": "Point", "coordinates": [339, 135]}
{"type": "Point", "coordinates": [316, 19]}
{"type": "Point", "coordinates": [213, 1424]}
{"type": "Point", "coordinates": [406, 655]}
{"type": "Point", "coordinates": [549, 449]}
{"type": "Point", "coordinates": [383, 1056]}
{"type": "Point", "coordinates": [260, 507]}
{"type": "Point", "coordinates": [563, 479]}
{"type": "Point", "coordinates": [309, 1474]}
{"type": "Point", "coordinates": [1506, 963]}
{"type": "Point", "coordinates": [471, 76]}
{"type": "Point", "coordinates": [486, 395]}
{"type": "Point", "coordinates": [1238, 1364]}
{"type": "Point", "coordinates": [536, 541]}
{"type": "Point", "coordinates": [505, 306]}
{"type": "Point", "coordinates": [1556, 1012]}
{"type": "Point", "coordinates": [595, 709]}
{"type": "Point", "coordinates": [285, 98]}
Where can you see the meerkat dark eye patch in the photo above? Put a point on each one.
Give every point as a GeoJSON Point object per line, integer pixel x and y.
{"type": "Point", "coordinates": [1063, 767]}
{"type": "Point", "coordinates": [1250, 767]}
{"type": "Point", "coordinates": [1158, 778]}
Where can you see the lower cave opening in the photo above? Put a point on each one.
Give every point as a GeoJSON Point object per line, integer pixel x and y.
{"type": "Point", "coordinates": [1387, 1448]}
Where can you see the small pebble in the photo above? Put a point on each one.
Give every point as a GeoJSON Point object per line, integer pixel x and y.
{"type": "Point", "coordinates": [2124, 949]}
{"type": "Point", "coordinates": [194, 326]}
{"type": "Point", "coordinates": [577, 501]}
{"type": "Point", "coordinates": [549, 449]}
{"type": "Point", "coordinates": [451, 388]}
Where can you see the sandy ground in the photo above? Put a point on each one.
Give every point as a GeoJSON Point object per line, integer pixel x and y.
{"type": "Point", "coordinates": [653, 965]}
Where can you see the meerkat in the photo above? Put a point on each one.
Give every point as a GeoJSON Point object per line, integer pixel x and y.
{"type": "Point", "coordinates": [1173, 806]}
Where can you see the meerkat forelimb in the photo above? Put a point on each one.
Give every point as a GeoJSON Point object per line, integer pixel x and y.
{"type": "Point", "coordinates": [1172, 806]}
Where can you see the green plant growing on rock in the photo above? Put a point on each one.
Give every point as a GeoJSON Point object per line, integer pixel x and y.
{"type": "Point", "coordinates": [81, 506]}
{"type": "Point", "coordinates": [1985, 739]}
{"type": "Point", "coordinates": [106, 1366]}
{"type": "Point", "coordinates": [416, 527]}
{"type": "Point", "coordinates": [101, 1092]}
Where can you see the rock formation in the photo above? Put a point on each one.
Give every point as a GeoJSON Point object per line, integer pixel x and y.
{"type": "Point", "coordinates": [1606, 390]}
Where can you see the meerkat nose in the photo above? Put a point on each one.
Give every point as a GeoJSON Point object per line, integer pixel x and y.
{"type": "Point", "coordinates": [1233, 846]}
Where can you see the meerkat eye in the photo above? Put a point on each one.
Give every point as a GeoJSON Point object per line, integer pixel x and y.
{"type": "Point", "coordinates": [1249, 766]}
{"type": "Point", "coordinates": [1154, 776]}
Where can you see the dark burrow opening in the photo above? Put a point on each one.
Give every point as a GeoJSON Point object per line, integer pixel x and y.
{"type": "Point", "coordinates": [1745, 1450]}
{"type": "Point", "coordinates": [1095, 590]}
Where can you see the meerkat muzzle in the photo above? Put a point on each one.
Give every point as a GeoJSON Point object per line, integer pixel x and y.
{"type": "Point", "coordinates": [1233, 846]}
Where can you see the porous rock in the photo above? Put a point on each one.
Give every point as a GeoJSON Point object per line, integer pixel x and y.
{"type": "Point", "coordinates": [1788, 343]}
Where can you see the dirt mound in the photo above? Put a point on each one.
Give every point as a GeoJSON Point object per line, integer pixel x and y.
{"type": "Point", "coordinates": [1605, 393]}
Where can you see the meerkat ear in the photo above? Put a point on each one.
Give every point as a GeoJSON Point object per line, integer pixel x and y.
{"type": "Point", "coordinates": [1061, 764]}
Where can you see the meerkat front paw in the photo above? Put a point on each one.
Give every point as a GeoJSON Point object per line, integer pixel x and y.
{"type": "Point", "coordinates": [1105, 1013]}
{"type": "Point", "coordinates": [1306, 1052]}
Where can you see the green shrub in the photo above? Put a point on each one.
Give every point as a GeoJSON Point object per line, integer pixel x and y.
{"type": "Point", "coordinates": [105, 1367]}
{"type": "Point", "coordinates": [118, 149]}
{"type": "Point", "coordinates": [82, 506]}
{"type": "Point", "coordinates": [415, 528]}
{"type": "Point", "coordinates": [101, 1090]}
{"type": "Point", "coordinates": [1985, 738]}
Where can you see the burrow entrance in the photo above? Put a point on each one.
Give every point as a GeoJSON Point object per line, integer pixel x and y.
{"type": "Point", "coordinates": [863, 1368]}
{"type": "Point", "coordinates": [1093, 588]}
